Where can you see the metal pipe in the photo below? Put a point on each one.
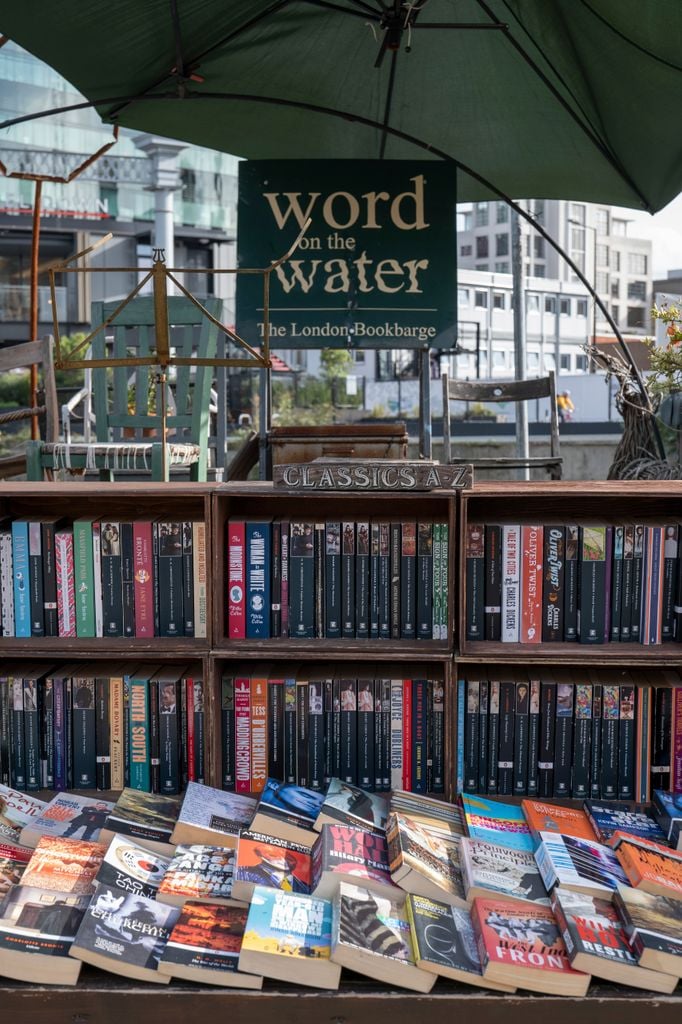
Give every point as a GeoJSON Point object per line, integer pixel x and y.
{"type": "Point", "coordinates": [519, 292]}
{"type": "Point", "coordinates": [33, 323]}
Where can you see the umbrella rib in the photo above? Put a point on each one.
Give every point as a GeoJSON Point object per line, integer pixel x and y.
{"type": "Point", "coordinates": [387, 108]}
{"type": "Point", "coordinates": [587, 129]}
{"type": "Point", "coordinates": [364, 13]}
{"type": "Point", "coordinates": [628, 40]}
{"type": "Point", "coordinates": [179, 59]}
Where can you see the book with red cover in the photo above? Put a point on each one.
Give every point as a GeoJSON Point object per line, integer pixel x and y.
{"type": "Point", "coordinates": [236, 579]}
{"type": "Point", "coordinates": [275, 863]}
{"type": "Point", "coordinates": [522, 946]}
{"type": "Point", "coordinates": [13, 861]}
{"type": "Point", "coordinates": [65, 865]}
{"type": "Point", "coordinates": [343, 853]}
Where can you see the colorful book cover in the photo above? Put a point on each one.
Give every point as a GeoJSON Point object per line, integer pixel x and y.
{"type": "Point", "coordinates": [358, 852]}
{"type": "Point", "coordinates": [545, 817]}
{"type": "Point", "coordinates": [295, 926]}
{"type": "Point", "coordinates": [208, 937]}
{"type": "Point", "coordinates": [350, 805]}
{"type": "Point", "coordinates": [651, 868]}
{"type": "Point", "coordinates": [127, 929]}
{"type": "Point", "coordinates": [65, 865]}
{"type": "Point", "coordinates": [577, 864]}
{"type": "Point", "coordinates": [275, 863]}
{"type": "Point", "coordinates": [84, 575]}
{"type": "Point", "coordinates": [258, 552]}
{"type": "Point", "coordinates": [143, 576]}
{"type": "Point", "coordinates": [236, 579]}
{"type": "Point", "coordinates": [18, 809]}
{"type": "Point", "coordinates": [609, 817]}
{"type": "Point", "coordinates": [43, 921]}
{"type": "Point", "coordinates": [200, 579]}
{"type": "Point", "coordinates": [144, 815]}
{"type": "Point", "coordinates": [498, 869]}
{"type": "Point", "coordinates": [519, 936]}
{"type": "Point", "coordinates": [652, 923]}
{"type": "Point", "coordinates": [138, 739]}
{"type": "Point", "coordinates": [66, 591]}
{"type": "Point", "coordinates": [70, 816]}
{"type": "Point", "coordinates": [199, 872]}
{"type": "Point", "coordinates": [128, 867]}
{"type": "Point", "coordinates": [13, 861]}
{"type": "Point", "coordinates": [20, 568]}
{"type": "Point", "coordinates": [294, 805]}
{"type": "Point", "coordinates": [592, 925]}
{"type": "Point", "coordinates": [495, 822]}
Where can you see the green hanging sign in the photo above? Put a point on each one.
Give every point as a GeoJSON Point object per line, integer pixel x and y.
{"type": "Point", "coordinates": [377, 266]}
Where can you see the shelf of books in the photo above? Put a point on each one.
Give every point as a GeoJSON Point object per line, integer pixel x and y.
{"type": "Point", "coordinates": [317, 575]}
{"type": "Point", "coordinates": [579, 572]}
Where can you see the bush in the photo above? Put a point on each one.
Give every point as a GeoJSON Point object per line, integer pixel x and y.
{"type": "Point", "coordinates": [14, 389]}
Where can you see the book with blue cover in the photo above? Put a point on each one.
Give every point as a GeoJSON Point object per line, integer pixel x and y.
{"type": "Point", "coordinates": [496, 822]}
{"type": "Point", "coordinates": [609, 816]}
{"type": "Point", "coordinates": [288, 812]}
{"type": "Point", "coordinates": [20, 569]}
{"type": "Point", "coordinates": [578, 864]}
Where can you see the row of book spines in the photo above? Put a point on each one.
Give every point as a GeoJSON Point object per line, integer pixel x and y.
{"type": "Point", "coordinates": [362, 580]}
{"type": "Point", "coordinates": [593, 584]}
{"type": "Point", "coordinates": [379, 734]}
{"type": "Point", "coordinates": [101, 578]}
{"type": "Point", "coordinates": [548, 739]}
{"type": "Point", "coordinates": [102, 732]}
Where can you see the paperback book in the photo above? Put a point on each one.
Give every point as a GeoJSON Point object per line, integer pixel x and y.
{"type": "Point", "coordinates": [578, 864]}
{"type": "Point", "coordinates": [64, 865]}
{"type": "Point", "coordinates": [489, 869]}
{"type": "Point", "coordinates": [205, 944]}
{"type": "Point", "coordinates": [288, 812]}
{"type": "Point", "coordinates": [275, 863]}
{"type": "Point", "coordinates": [198, 872]}
{"type": "Point", "coordinates": [148, 818]}
{"type": "Point", "coordinates": [346, 804]}
{"type": "Point", "coordinates": [13, 861]}
{"type": "Point", "coordinates": [651, 867]}
{"type": "Point", "coordinates": [346, 854]}
{"type": "Point", "coordinates": [654, 928]}
{"type": "Point", "coordinates": [569, 821]}
{"type": "Point", "coordinates": [129, 867]}
{"type": "Point", "coordinates": [17, 809]}
{"type": "Point", "coordinates": [496, 822]}
{"type": "Point", "coordinates": [70, 816]}
{"type": "Point", "coordinates": [424, 858]}
{"type": "Point", "coordinates": [211, 816]}
{"type": "Point", "coordinates": [37, 927]}
{"type": "Point", "coordinates": [607, 817]}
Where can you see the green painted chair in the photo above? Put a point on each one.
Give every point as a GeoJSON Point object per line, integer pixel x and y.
{"type": "Point", "coordinates": [126, 401]}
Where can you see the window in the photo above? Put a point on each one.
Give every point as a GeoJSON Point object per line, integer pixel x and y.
{"type": "Point", "coordinates": [533, 303]}
{"type": "Point", "coordinates": [615, 289]}
{"type": "Point", "coordinates": [539, 247]}
{"type": "Point", "coordinates": [499, 300]}
{"type": "Point", "coordinates": [578, 239]}
{"type": "Point", "coordinates": [465, 364]}
{"type": "Point", "coordinates": [615, 313]}
{"type": "Point", "coordinates": [602, 282]}
{"type": "Point", "coordinates": [502, 268]}
{"type": "Point", "coordinates": [581, 307]}
{"type": "Point", "coordinates": [462, 296]}
{"type": "Point", "coordinates": [532, 361]}
{"type": "Point", "coordinates": [481, 266]}
{"type": "Point", "coordinates": [483, 363]}
{"type": "Point", "coordinates": [465, 250]}
{"type": "Point", "coordinates": [637, 263]}
{"type": "Point", "coordinates": [615, 260]}
{"type": "Point", "coordinates": [481, 247]}
{"type": "Point", "coordinates": [565, 361]}
{"type": "Point", "coordinates": [602, 218]}
{"type": "Point", "coordinates": [602, 255]}
{"type": "Point", "coordinates": [549, 361]}
{"type": "Point", "coordinates": [481, 215]}
{"type": "Point", "coordinates": [481, 300]}
{"type": "Point", "coordinates": [464, 220]}
{"type": "Point", "coordinates": [499, 359]}
{"type": "Point", "coordinates": [581, 363]}
{"type": "Point", "coordinates": [619, 227]}
{"type": "Point", "coordinates": [550, 304]}
{"type": "Point", "coordinates": [502, 245]}
{"type": "Point", "coordinates": [502, 215]}
{"type": "Point", "coordinates": [637, 290]}
{"type": "Point", "coordinates": [576, 211]}
{"type": "Point", "coordinates": [636, 316]}
{"type": "Point", "coordinates": [539, 270]}
{"type": "Point", "coordinates": [358, 357]}
{"type": "Point", "coordinates": [526, 245]}
{"type": "Point", "coordinates": [539, 210]}
{"type": "Point", "coordinates": [565, 307]}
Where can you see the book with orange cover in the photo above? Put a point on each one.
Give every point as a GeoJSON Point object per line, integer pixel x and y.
{"type": "Point", "coordinates": [651, 869]}
{"type": "Point", "coordinates": [568, 821]}
{"type": "Point", "coordinates": [64, 865]}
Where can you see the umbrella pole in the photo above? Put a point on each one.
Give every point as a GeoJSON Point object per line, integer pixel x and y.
{"type": "Point", "coordinates": [33, 325]}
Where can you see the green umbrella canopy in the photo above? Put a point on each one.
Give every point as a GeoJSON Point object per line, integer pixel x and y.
{"type": "Point", "coordinates": [571, 99]}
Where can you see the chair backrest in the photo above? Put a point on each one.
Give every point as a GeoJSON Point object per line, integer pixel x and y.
{"type": "Point", "coordinates": [127, 399]}
{"type": "Point", "coordinates": [500, 391]}
{"type": "Point", "coordinates": [40, 353]}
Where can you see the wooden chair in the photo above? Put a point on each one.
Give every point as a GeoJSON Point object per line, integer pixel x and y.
{"type": "Point", "coordinates": [504, 391]}
{"type": "Point", "coordinates": [16, 357]}
{"type": "Point", "coordinates": [126, 401]}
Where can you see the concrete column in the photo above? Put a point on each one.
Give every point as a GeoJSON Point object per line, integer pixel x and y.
{"type": "Point", "coordinates": [165, 181]}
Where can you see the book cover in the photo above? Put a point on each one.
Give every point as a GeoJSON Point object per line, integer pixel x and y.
{"type": "Point", "coordinates": [669, 580]}
{"type": "Point", "coordinates": [348, 610]}
{"type": "Point", "coordinates": [144, 817]}
{"type": "Point", "coordinates": [362, 582]}
{"type": "Point", "coordinates": [64, 865]}
{"type": "Point", "coordinates": [48, 529]}
{"type": "Point", "coordinates": [511, 576]}
{"type": "Point", "coordinates": [496, 822]}
{"type": "Point", "coordinates": [492, 782]}
{"type": "Point", "coordinates": [13, 861]}
{"type": "Point", "coordinates": [274, 863]}
{"type": "Point", "coordinates": [35, 578]}
{"type": "Point", "coordinates": [102, 733]}
{"type": "Point", "coordinates": [21, 576]}
{"type": "Point", "coordinates": [571, 581]}
{"type": "Point", "coordinates": [316, 739]}
{"type": "Point", "coordinates": [7, 583]}
{"type": "Point", "coordinates": [483, 752]}
{"type": "Point", "coordinates": [198, 872]}
{"type": "Point", "coordinates": [493, 582]}
{"type": "Point", "coordinates": [609, 741]}
{"type": "Point", "coordinates": [384, 595]}
{"type": "Point", "coordinates": [488, 868]}
{"type": "Point", "coordinates": [521, 709]}
{"type": "Point", "coordinates": [236, 578]}
{"type": "Point", "coordinates": [424, 856]}
{"type": "Point", "coordinates": [170, 583]}
{"type": "Point", "coordinates": [227, 735]}
{"type": "Point", "coordinates": [283, 806]}
{"type": "Point", "coordinates": [596, 744]}
{"type": "Point", "coordinates": [200, 602]}
{"type": "Point", "coordinates": [350, 805]}
{"type": "Point", "coordinates": [258, 556]}
{"type": "Point", "coordinates": [530, 631]}
{"type": "Point", "coordinates": [651, 867]}
{"type": "Point", "coordinates": [553, 584]}
{"type": "Point", "coordinates": [127, 576]}
{"type": "Point", "coordinates": [563, 739]}
{"type": "Point", "coordinates": [68, 815]}
{"type": "Point", "coordinates": [617, 584]}
{"type": "Point", "coordinates": [143, 578]}
{"type": "Point", "coordinates": [395, 532]}
{"type": "Point", "coordinates": [578, 864]}
{"type": "Point", "coordinates": [652, 924]}
{"type": "Point", "coordinates": [276, 580]}
{"type": "Point", "coordinates": [41, 922]}
{"type": "Point", "coordinates": [505, 760]}
{"type": "Point", "coordinates": [582, 741]}
{"type": "Point", "coordinates": [637, 583]}
{"type": "Point", "coordinates": [18, 809]}
{"type": "Point", "coordinates": [259, 737]}
{"type": "Point", "coordinates": [424, 581]}
{"type": "Point", "coordinates": [357, 855]}
{"type": "Point", "coordinates": [301, 580]}
{"type": "Point", "coordinates": [475, 581]}
{"type": "Point", "coordinates": [213, 814]}
{"type": "Point", "coordinates": [568, 821]}
{"type": "Point", "coordinates": [129, 867]}
{"type": "Point", "coordinates": [609, 817]}
{"type": "Point", "coordinates": [333, 579]}
{"type": "Point", "coordinates": [204, 945]}
{"type": "Point", "coordinates": [471, 737]}
{"type": "Point", "coordinates": [188, 577]}
{"type": "Point", "coordinates": [112, 580]}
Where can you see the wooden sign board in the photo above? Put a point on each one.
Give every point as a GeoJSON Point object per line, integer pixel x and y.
{"type": "Point", "coordinates": [372, 475]}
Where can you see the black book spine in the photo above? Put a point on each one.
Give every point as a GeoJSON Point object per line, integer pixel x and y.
{"type": "Point", "coordinates": [505, 763]}
{"type": "Point", "coordinates": [533, 736]}
{"type": "Point", "coordinates": [493, 736]}
{"type": "Point", "coordinates": [127, 579]}
{"type": "Point", "coordinates": [493, 582]}
{"type": "Point", "coordinates": [670, 574]}
{"type": "Point", "coordinates": [378, 737]}
{"type": "Point", "coordinates": [154, 738]}
{"type": "Point", "coordinates": [418, 736]}
{"type": "Point", "coordinates": [227, 750]}
{"type": "Point", "coordinates": [609, 742]}
{"type": "Point", "coordinates": [290, 731]}
{"type": "Point", "coordinates": [31, 734]}
{"type": "Point", "coordinates": [438, 733]}
{"type": "Point", "coordinates": [395, 580]}
{"type": "Point", "coordinates": [563, 739]}
{"type": "Point", "coordinates": [102, 733]}
{"type": "Point", "coordinates": [35, 579]}
{"type": "Point", "coordinates": [582, 741]}
{"type": "Point", "coordinates": [571, 545]}
{"type": "Point", "coordinates": [112, 580]}
{"type": "Point", "coordinates": [315, 735]}
{"type": "Point", "coordinates": [592, 588]}
{"type": "Point", "coordinates": [16, 734]}
{"type": "Point", "coordinates": [628, 577]}
{"type": "Point", "coordinates": [348, 731]}
{"type": "Point", "coordinates": [199, 731]}
{"type": "Point", "coordinates": [553, 580]}
{"type": "Point", "coordinates": [320, 565]}
{"type": "Point", "coordinates": [275, 711]}
{"type": "Point", "coordinates": [660, 759]}
{"type": "Point", "coordinates": [276, 579]}
{"type": "Point", "coordinates": [333, 581]}
{"type": "Point", "coordinates": [155, 578]}
{"type": "Point", "coordinates": [384, 581]}
{"type": "Point", "coordinates": [374, 581]}
{"type": "Point", "coordinates": [188, 577]}
{"type": "Point", "coordinates": [475, 582]}
{"type": "Point", "coordinates": [408, 590]}
{"type": "Point", "coordinates": [521, 729]}
{"type": "Point", "coordinates": [336, 730]}
{"type": "Point", "coordinates": [169, 737]}
{"type": "Point", "coordinates": [483, 703]}
{"type": "Point", "coordinates": [184, 746]}
{"type": "Point", "coordinates": [429, 736]}
{"type": "Point", "coordinates": [362, 581]}
{"type": "Point", "coordinates": [626, 743]}
{"type": "Point", "coordinates": [348, 580]}
{"type": "Point", "coordinates": [328, 731]}
{"type": "Point", "coordinates": [84, 750]}
{"type": "Point", "coordinates": [596, 749]}
{"type": "Point", "coordinates": [50, 615]}
{"type": "Point", "coordinates": [424, 581]}
{"type": "Point", "coordinates": [46, 733]}
{"type": "Point", "coordinates": [302, 730]}
{"type": "Point", "coordinates": [366, 734]}
{"type": "Point", "coordinates": [637, 584]}
{"type": "Point", "coordinates": [170, 585]}
{"type": "Point", "coordinates": [302, 581]}
{"type": "Point", "coordinates": [546, 750]}
{"type": "Point", "coordinates": [617, 583]}
{"type": "Point", "coordinates": [471, 744]}
{"type": "Point", "coordinates": [68, 709]}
